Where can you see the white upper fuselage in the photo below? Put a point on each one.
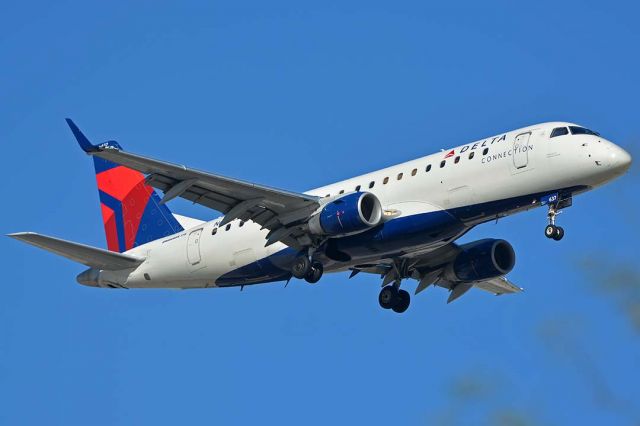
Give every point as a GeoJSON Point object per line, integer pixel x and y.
{"type": "Point", "coordinates": [477, 182]}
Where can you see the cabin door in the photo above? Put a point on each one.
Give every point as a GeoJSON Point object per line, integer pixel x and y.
{"type": "Point", "coordinates": [521, 151]}
{"type": "Point", "coordinates": [193, 247]}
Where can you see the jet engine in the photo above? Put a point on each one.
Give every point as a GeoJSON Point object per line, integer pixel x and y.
{"type": "Point", "coordinates": [482, 260]}
{"type": "Point", "coordinates": [350, 214]}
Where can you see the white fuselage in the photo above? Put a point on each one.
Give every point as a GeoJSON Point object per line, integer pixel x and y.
{"type": "Point", "coordinates": [505, 174]}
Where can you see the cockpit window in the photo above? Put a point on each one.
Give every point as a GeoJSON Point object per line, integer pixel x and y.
{"type": "Point", "coordinates": [575, 130]}
{"type": "Point", "coordinates": [559, 131]}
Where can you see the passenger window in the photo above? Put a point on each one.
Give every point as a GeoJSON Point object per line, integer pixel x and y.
{"type": "Point", "coordinates": [241, 223]}
{"type": "Point", "coordinates": [341, 191]}
{"type": "Point", "coordinates": [413, 172]}
{"type": "Point", "coordinates": [327, 196]}
{"type": "Point", "coordinates": [471, 154]}
{"type": "Point", "coordinates": [559, 131]}
{"type": "Point", "coordinates": [214, 231]}
{"type": "Point", "coordinates": [371, 184]}
{"type": "Point", "coordinates": [399, 176]}
{"type": "Point", "coordinates": [226, 228]}
{"type": "Point", "coordinates": [443, 163]}
{"type": "Point", "coordinates": [485, 151]}
{"type": "Point", "coordinates": [358, 188]}
{"type": "Point", "coordinates": [457, 160]}
{"type": "Point", "coordinates": [385, 180]}
{"type": "Point", "coordinates": [428, 168]}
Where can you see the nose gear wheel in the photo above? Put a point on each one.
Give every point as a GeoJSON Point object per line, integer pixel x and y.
{"type": "Point", "coordinates": [552, 231]}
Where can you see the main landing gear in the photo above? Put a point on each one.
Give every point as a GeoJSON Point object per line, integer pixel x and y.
{"type": "Point", "coordinates": [307, 269]}
{"type": "Point", "coordinates": [552, 230]}
{"type": "Point", "coordinates": [391, 297]}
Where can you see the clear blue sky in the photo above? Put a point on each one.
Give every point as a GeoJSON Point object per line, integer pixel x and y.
{"type": "Point", "coordinates": [298, 95]}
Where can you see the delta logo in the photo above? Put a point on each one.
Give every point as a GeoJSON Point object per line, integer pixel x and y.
{"type": "Point", "coordinates": [476, 145]}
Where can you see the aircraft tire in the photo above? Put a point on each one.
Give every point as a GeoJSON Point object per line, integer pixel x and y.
{"type": "Point", "coordinates": [388, 297]}
{"type": "Point", "coordinates": [315, 273]}
{"type": "Point", "coordinates": [550, 231]}
{"type": "Point", "coordinates": [403, 301]}
{"type": "Point", "coordinates": [301, 267]}
{"type": "Point", "coordinates": [559, 234]}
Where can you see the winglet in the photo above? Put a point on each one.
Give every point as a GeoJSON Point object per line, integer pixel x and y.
{"type": "Point", "coordinates": [80, 137]}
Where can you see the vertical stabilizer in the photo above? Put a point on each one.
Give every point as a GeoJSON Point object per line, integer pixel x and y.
{"type": "Point", "coordinates": [131, 211]}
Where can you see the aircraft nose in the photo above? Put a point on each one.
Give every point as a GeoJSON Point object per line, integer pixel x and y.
{"type": "Point", "coordinates": [619, 159]}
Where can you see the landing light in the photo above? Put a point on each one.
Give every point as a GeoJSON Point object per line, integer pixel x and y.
{"type": "Point", "coordinates": [390, 213]}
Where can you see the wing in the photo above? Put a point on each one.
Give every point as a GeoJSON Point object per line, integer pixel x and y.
{"type": "Point", "coordinates": [279, 211]}
{"type": "Point", "coordinates": [91, 256]}
{"type": "Point", "coordinates": [428, 268]}
{"type": "Point", "coordinates": [499, 286]}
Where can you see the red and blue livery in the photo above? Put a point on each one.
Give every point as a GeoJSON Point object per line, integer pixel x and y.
{"type": "Point", "coordinates": [131, 211]}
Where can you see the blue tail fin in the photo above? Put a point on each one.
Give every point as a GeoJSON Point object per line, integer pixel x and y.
{"type": "Point", "coordinates": [131, 209]}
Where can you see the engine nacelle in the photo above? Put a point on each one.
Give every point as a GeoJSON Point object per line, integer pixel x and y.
{"type": "Point", "coordinates": [482, 260]}
{"type": "Point", "coordinates": [350, 214]}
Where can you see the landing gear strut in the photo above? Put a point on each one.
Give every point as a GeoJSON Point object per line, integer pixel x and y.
{"type": "Point", "coordinates": [392, 298]}
{"type": "Point", "coordinates": [552, 230]}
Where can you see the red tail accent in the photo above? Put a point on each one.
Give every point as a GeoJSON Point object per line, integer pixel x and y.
{"type": "Point", "coordinates": [131, 210]}
{"type": "Point", "coordinates": [109, 220]}
{"type": "Point", "coordinates": [128, 187]}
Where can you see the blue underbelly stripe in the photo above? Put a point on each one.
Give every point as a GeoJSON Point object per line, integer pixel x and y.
{"type": "Point", "coordinates": [394, 237]}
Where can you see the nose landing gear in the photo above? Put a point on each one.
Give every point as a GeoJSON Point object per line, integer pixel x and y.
{"type": "Point", "coordinates": [553, 231]}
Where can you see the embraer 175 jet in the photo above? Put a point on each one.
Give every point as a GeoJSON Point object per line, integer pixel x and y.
{"type": "Point", "coordinates": [399, 222]}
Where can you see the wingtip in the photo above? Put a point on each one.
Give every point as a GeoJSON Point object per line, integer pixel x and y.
{"type": "Point", "coordinates": [80, 137]}
{"type": "Point", "coordinates": [19, 235]}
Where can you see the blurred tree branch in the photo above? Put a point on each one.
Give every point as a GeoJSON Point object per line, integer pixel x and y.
{"type": "Point", "coordinates": [617, 280]}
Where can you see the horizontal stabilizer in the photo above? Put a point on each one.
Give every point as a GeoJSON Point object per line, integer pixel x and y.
{"type": "Point", "coordinates": [91, 256]}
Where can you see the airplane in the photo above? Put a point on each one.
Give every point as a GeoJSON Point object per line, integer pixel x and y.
{"type": "Point", "coordinates": [399, 223]}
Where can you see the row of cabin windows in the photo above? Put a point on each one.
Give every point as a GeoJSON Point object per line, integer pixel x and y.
{"type": "Point", "coordinates": [214, 231]}
{"type": "Point", "coordinates": [415, 171]}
